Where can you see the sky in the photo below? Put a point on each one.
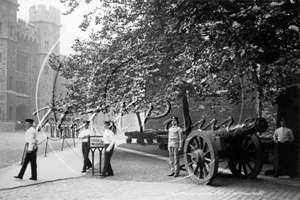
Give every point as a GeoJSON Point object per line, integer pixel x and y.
{"type": "Point", "coordinates": [70, 23]}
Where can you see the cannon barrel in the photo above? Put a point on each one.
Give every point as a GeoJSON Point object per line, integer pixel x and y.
{"type": "Point", "coordinates": [238, 145]}
{"type": "Point", "coordinates": [249, 126]}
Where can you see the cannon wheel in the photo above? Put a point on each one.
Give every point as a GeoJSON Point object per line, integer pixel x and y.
{"type": "Point", "coordinates": [149, 141]}
{"type": "Point", "coordinates": [128, 140]}
{"type": "Point", "coordinates": [200, 157]}
{"type": "Point", "coordinates": [249, 160]}
{"type": "Point", "coordinates": [163, 146]}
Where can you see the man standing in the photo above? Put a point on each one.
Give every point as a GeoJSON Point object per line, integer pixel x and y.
{"type": "Point", "coordinates": [31, 151]}
{"type": "Point", "coordinates": [84, 135]}
{"type": "Point", "coordinates": [175, 139]}
{"type": "Point", "coordinates": [109, 141]}
{"type": "Point", "coordinates": [283, 137]}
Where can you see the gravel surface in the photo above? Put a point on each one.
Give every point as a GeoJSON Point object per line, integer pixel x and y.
{"type": "Point", "coordinates": [134, 167]}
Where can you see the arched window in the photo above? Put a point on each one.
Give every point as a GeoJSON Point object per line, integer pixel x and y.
{"type": "Point", "coordinates": [25, 88]}
{"type": "Point", "coordinates": [10, 83]}
{"type": "Point", "coordinates": [10, 113]}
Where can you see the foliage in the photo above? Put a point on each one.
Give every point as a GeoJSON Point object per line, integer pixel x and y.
{"type": "Point", "coordinates": [160, 50]}
{"type": "Point", "coordinates": [262, 36]}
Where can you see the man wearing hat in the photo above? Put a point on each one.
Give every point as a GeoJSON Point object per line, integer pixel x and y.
{"type": "Point", "coordinates": [31, 146]}
{"type": "Point", "coordinates": [283, 136]}
{"type": "Point", "coordinates": [84, 135]}
{"type": "Point", "coordinates": [109, 141]}
{"type": "Point", "coordinates": [175, 139]}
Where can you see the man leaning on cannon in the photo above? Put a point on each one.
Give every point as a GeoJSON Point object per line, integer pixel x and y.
{"type": "Point", "coordinates": [283, 136]}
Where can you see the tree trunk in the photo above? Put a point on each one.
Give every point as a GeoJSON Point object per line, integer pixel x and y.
{"type": "Point", "coordinates": [141, 137]}
{"type": "Point", "coordinates": [187, 122]}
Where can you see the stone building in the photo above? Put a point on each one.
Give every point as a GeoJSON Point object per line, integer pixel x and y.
{"type": "Point", "coordinates": [26, 79]}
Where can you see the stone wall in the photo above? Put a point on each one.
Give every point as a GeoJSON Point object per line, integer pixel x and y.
{"type": "Point", "coordinates": [7, 126]}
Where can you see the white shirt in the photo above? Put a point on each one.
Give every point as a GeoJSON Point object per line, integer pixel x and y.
{"type": "Point", "coordinates": [84, 134]}
{"type": "Point", "coordinates": [108, 136]}
{"type": "Point", "coordinates": [175, 137]}
{"type": "Point", "coordinates": [30, 138]}
{"type": "Point", "coordinates": [283, 134]}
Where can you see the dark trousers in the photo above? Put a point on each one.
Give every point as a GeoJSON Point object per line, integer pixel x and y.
{"type": "Point", "coordinates": [283, 158]}
{"type": "Point", "coordinates": [107, 169]}
{"type": "Point", "coordinates": [85, 152]}
{"type": "Point", "coordinates": [29, 157]}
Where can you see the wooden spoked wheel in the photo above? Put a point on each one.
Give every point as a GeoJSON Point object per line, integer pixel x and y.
{"type": "Point", "coordinates": [248, 160]}
{"type": "Point", "coordinates": [200, 157]}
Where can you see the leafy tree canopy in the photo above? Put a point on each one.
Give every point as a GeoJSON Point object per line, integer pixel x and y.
{"type": "Point", "coordinates": [162, 49]}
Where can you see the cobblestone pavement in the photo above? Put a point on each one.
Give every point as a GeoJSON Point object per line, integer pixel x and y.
{"type": "Point", "coordinates": [127, 183]}
{"type": "Point", "coordinates": [103, 188]}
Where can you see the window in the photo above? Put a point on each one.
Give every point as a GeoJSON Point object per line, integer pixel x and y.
{"type": "Point", "coordinates": [10, 30]}
{"type": "Point", "coordinates": [21, 87]}
{"type": "Point", "coordinates": [10, 113]}
{"type": "Point", "coordinates": [10, 83]}
{"type": "Point", "coordinates": [46, 45]}
{"type": "Point", "coordinates": [25, 88]}
{"type": "Point", "coordinates": [17, 86]}
{"type": "Point", "coordinates": [22, 63]}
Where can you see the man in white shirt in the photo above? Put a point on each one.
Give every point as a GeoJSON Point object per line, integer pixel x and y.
{"type": "Point", "coordinates": [175, 141]}
{"type": "Point", "coordinates": [109, 141]}
{"type": "Point", "coordinates": [283, 137]}
{"type": "Point", "coordinates": [84, 135]}
{"type": "Point", "coordinates": [31, 151]}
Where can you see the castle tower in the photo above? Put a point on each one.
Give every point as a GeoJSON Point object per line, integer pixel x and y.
{"type": "Point", "coordinates": [48, 23]}
{"type": "Point", "coordinates": [8, 54]}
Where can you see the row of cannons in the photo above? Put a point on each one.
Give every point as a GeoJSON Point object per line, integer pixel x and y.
{"type": "Point", "coordinates": [207, 145]}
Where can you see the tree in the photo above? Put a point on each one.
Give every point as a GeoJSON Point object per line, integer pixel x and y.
{"type": "Point", "coordinates": [164, 49]}
{"type": "Point", "coordinates": [263, 38]}
{"type": "Point", "coordinates": [130, 57]}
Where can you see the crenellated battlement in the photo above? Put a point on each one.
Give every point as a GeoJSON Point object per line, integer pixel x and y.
{"type": "Point", "coordinates": [27, 30]}
{"type": "Point", "coordinates": [40, 13]}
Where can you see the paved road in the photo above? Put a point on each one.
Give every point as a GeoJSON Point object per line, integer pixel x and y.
{"type": "Point", "coordinates": [96, 188]}
{"type": "Point", "coordinates": [137, 176]}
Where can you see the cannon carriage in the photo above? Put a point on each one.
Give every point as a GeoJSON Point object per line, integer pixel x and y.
{"type": "Point", "coordinates": [239, 145]}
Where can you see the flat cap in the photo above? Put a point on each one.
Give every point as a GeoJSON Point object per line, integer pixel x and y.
{"type": "Point", "coordinates": [283, 120]}
{"type": "Point", "coordinates": [174, 117]}
{"type": "Point", "coordinates": [29, 120]}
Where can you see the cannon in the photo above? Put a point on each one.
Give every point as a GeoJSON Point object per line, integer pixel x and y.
{"type": "Point", "coordinates": [149, 135]}
{"type": "Point", "coordinates": [239, 145]}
